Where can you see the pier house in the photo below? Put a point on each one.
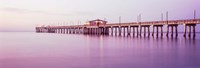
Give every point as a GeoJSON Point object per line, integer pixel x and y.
{"type": "Point", "coordinates": [95, 27]}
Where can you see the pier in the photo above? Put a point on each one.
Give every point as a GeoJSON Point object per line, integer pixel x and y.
{"type": "Point", "coordinates": [101, 27]}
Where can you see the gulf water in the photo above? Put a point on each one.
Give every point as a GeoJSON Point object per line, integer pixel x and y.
{"type": "Point", "coordinates": [52, 50]}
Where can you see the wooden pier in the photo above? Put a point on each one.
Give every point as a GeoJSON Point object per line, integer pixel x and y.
{"type": "Point", "coordinates": [100, 27]}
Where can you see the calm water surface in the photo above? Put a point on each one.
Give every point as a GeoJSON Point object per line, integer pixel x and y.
{"type": "Point", "coordinates": [43, 50]}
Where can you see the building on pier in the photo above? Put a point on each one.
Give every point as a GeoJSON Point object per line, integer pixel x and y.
{"type": "Point", "coordinates": [93, 27]}
{"type": "Point", "coordinates": [96, 22]}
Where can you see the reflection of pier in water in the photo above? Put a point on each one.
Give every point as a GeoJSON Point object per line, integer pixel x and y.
{"type": "Point", "coordinates": [100, 27]}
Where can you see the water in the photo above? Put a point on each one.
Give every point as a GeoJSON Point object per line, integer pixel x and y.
{"type": "Point", "coordinates": [46, 50]}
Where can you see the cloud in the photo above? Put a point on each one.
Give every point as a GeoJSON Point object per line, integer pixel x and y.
{"type": "Point", "coordinates": [18, 10]}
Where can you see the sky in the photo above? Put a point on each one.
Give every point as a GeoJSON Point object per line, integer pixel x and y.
{"type": "Point", "coordinates": [25, 15]}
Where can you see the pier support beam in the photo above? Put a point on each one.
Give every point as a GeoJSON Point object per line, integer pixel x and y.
{"type": "Point", "coordinates": [119, 28]}
{"type": "Point", "coordinates": [137, 31]}
{"type": "Point", "coordinates": [140, 31]}
{"type": "Point", "coordinates": [172, 31]}
{"type": "Point", "coordinates": [157, 31]}
{"type": "Point", "coordinates": [128, 30]}
{"type": "Point", "coordinates": [149, 31]}
{"type": "Point", "coordinates": [157, 28]}
{"type": "Point", "coordinates": [111, 30]}
{"type": "Point", "coordinates": [189, 31]}
{"type": "Point", "coordinates": [185, 30]}
{"type": "Point", "coordinates": [133, 31]}
{"type": "Point", "coordinates": [115, 30]}
{"type": "Point", "coordinates": [161, 31]}
{"type": "Point", "coordinates": [144, 31]}
{"type": "Point", "coordinates": [124, 30]}
{"type": "Point", "coordinates": [194, 32]}
{"type": "Point", "coordinates": [176, 27]}
{"type": "Point", "coordinates": [167, 31]}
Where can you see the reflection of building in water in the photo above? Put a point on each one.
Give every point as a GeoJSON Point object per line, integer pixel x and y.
{"type": "Point", "coordinates": [96, 52]}
{"type": "Point", "coordinates": [96, 22]}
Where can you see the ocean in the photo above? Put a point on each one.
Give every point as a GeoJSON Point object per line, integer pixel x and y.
{"type": "Point", "coordinates": [52, 50]}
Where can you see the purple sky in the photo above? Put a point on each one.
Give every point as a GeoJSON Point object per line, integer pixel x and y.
{"type": "Point", "coordinates": [24, 15]}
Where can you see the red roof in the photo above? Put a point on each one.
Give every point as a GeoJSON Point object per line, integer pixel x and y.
{"type": "Point", "coordinates": [98, 20]}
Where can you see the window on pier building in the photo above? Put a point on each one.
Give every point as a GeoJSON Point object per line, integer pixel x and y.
{"type": "Point", "coordinates": [96, 22]}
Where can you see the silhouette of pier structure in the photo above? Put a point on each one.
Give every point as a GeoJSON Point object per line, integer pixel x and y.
{"type": "Point", "coordinates": [101, 27]}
